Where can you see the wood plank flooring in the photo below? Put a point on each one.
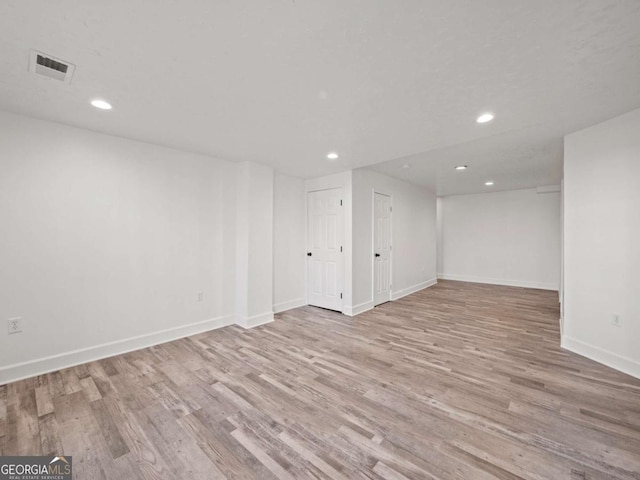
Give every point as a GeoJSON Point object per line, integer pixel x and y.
{"type": "Point", "coordinates": [459, 381]}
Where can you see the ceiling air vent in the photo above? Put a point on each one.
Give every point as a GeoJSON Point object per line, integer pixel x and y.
{"type": "Point", "coordinates": [50, 67]}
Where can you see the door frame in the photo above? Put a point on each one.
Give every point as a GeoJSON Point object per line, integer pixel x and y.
{"type": "Point", "coordinates": [373, 244]}
{"type": "Point", "coordinates": [342, 237]}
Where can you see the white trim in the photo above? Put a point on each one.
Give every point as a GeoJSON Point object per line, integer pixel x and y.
{"type": "Point", "coordinates": [20, 371]}
{"type": "Point", "coordinates": [366, 306]}
{"type": "Point", "coordinates": [290, 305]}
{"type": "Point", "coordinates": [499, 281]}
{"type": "Point", "coordinates": [413, 289]}
{"type": "Point", "coordinates": [548, 189]}
{"type": "Point", "coordinates": [600, 355]}
{"type": "Point", "coordinates": [561, 323]}
{"type": "Point", "coordinates": [357, 309]}
{"type": "Point", "coordinates": [255, 320]}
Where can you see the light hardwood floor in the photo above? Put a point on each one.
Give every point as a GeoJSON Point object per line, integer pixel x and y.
{"type": "Point", "coordinates": [459, 381]}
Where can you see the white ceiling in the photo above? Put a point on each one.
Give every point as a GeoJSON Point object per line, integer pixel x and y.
{"type": "Point", "coordinates": [530, 157]}
{"type": "Point", "coordinates": [283, 82]}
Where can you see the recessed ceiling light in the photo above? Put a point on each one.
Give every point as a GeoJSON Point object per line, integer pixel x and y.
{"type": "Point", "coordinates": [461, 167]}
{"type": "Point", "coordinates": [406, 165]}
{"type": "Point", "coordinates": [101, 104]}
{"type": "Point", "coordinates": [332, 156]}
{"type": "Point", "coordinates": [488, 184]}
{"type": "Point", "coordinates": [485, 117]}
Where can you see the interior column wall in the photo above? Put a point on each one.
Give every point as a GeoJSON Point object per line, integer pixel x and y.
{"type": "Point", "coordinates": [254, 244]}
{"type": "Point", "coordinates": [289, 227]}
{"type": "Point", "coordinates": [601, 243]}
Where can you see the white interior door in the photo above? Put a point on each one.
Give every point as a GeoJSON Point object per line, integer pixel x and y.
{"type": "Point", "coordinates": [325, 227]}
{"type": "Point", "coordinates": [381, 248]}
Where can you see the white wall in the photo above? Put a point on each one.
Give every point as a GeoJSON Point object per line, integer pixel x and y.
{"type": "Point", "coordinates": [602, 242]}
{"type": "Point", "coordinates": [107, 241]}
{"type": "Point", "coordinates": [289, 259]}
{"type": "Point", "coordinates": [413, 236]}
{"type": "Point", "coordinates": [507, 238]}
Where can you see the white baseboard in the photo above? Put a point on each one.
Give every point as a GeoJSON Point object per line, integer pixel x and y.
{"type": "Point", "coordinates": [600, 355]}
{"type": "Point", "coordinates": [255, 320]}
{"type": "Point", "coordinates": [290, 305]}
{"type": "Point", "coordinates": [20, 371]}
{"type": "Point", "coordinates": [499, 281]}
{"type": "Point", "coordinates": [396, 295]}
{"type": "Point", "coordinates": [561, 323]}
{"type": "Point", "coordinates": [352, 311]}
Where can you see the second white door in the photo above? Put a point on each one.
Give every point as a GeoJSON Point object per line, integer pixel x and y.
{"type": "Point", "coordinates": [381, 248]}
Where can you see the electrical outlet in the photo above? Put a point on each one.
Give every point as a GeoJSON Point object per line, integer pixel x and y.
{"type": "Point", "coordinates": [200, 296]}
{"type": "Point", "coordinates": [616, 321]}
{"type": "Point", "coordinates": [14, 325]}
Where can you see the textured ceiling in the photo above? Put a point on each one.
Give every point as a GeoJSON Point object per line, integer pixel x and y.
{"type": "Point", "coordinates": [283, 82]}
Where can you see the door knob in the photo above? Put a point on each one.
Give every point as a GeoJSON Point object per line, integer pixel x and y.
{"type": "Point", "coordinates": [377, 254]}
{"type": "Point", "coordinates": [309, 254]}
